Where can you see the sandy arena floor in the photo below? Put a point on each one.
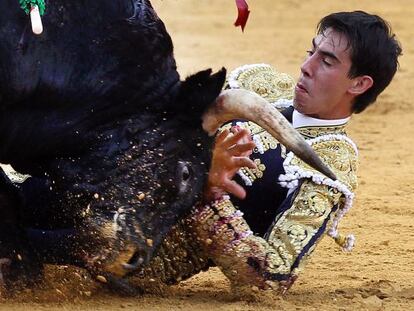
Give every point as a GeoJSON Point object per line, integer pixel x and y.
{"type": "Point", "coordinates": [379, 273]}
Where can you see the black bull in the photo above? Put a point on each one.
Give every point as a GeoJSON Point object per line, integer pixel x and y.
{"type": "Point", "coordinates": [95, 111]}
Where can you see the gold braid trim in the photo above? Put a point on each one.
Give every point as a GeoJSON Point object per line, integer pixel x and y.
{"type": "Point", "coordinates": [340, 154]}
{"type": "Point", "coordinates": [316, 131]}
{"type": "Point", "coordinates": [179, 257]}
{"type": "Point", "coordinates": [227, 239]}
{"type": "Point", "coordinates": [297, 226]}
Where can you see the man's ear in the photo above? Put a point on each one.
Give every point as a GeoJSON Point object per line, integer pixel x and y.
{"type": "Point", "coordinates": [360, 84]}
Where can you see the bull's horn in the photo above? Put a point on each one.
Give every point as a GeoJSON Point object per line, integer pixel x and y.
{"type": "Point", "coordinates": [243, 104]}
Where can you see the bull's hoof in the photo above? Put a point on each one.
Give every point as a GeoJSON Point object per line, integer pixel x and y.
{"type": "Point", "coordinates": [19, 263]}
{"type": "Point", "coordinates": [119, 286]}
{"type": "Point", "coordinates": [18, 273]}
{"type": "Point", "coordinates": [20, 266]}
{"type": "Point", "coordinates": [4, 266]}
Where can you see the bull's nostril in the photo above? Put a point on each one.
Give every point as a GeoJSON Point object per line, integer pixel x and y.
{"type": "Point", "coordinates": [135, 261]}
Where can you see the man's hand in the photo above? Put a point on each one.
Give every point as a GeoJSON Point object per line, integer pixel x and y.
{"type": "Point", "coordinates": [230, 153]}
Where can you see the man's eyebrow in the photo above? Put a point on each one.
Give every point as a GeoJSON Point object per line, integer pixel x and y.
{"type": "Point", "coordinates": [326, 53]}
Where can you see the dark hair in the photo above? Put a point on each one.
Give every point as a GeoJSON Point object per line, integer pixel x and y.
{"type": "Point", "coordinates": [374, 50]}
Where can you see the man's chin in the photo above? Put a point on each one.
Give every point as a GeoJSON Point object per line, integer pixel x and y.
{"type": "Point", "coordinates": [297, 105]}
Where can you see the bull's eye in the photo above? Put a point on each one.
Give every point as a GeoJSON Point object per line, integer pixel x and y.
{"type": "Point", "coordinates": [184, 174]}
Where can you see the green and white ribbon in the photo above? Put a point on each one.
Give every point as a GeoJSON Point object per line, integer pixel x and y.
{"type": "Point", "coordinates": [35, 8]}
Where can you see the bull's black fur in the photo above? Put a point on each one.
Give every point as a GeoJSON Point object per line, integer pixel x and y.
{"type": "Point", "coordinates": [95, 111]}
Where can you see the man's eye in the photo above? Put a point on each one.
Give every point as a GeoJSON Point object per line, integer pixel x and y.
{"type": "Point", "coordinates": [310, 52]}
{"type": "Point", "coordinates": [326, 63]}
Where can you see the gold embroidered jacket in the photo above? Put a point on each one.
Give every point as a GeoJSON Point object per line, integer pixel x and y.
{"type": "Point", "coordinates": [312, 207]}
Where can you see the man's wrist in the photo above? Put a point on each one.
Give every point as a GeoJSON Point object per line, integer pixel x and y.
{"type": "Point", "coordinates": [212, 193]}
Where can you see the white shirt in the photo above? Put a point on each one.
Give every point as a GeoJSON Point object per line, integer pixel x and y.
{"type": "Point", "coordinates": [300, 120]}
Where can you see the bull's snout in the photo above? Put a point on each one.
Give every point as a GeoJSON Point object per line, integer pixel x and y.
{"type": "Point", "coordinates": [131, 238]}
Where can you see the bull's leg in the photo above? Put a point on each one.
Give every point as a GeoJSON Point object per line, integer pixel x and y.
{"type": "Point", "coordinates": [19, 264]}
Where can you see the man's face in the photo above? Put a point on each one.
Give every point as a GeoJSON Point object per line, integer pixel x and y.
{"type": "Point", "coordinates": [322, 89]}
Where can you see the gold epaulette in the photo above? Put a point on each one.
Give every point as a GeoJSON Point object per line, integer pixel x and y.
{"type": "Point", "coordinates": [276, 87]}
{"type": "Point", "coordinates": [337, 151]}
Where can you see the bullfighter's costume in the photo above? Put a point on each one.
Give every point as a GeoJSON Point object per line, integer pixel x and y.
{"type": "Point", "coordinates": [266, 239]}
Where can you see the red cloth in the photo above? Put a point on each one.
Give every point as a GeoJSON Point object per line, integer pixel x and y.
{"type": "Point", "coordinates": [243, 15]}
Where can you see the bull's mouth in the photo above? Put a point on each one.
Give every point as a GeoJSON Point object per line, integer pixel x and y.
{"type": "Point", "coordinates": [119, 252]}
{"type": "Point", "coordinates": [122, 261]}
{"type": "Point", "coordinates": [125, 261]}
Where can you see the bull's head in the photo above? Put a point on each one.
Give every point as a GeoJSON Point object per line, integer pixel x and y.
{"type": "Point", "coordinates": [95, 104]}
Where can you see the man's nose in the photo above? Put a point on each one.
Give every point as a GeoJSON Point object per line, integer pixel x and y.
{"type": "Point", "coordinates": [306, 67]}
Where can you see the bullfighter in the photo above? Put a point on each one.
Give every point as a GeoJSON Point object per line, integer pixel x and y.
{"type": "Point", "coordinates": [262, 235]}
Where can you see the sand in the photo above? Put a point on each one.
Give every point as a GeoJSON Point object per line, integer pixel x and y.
{"type": "Point", "coordinates": [379, 273]}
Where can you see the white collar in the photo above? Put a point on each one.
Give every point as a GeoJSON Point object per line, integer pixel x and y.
{"type": "Point", "coordinates": [300, 120]}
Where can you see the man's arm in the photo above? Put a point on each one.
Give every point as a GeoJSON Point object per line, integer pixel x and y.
{"type": "Point", "coordinates": [273, 261]}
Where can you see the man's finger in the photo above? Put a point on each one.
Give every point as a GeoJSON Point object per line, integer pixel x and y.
{"type": "Point", "coordinates": [243, 162]}
{"type": "Point", "coordinates": [222, 136]}
{"type": "Point", "coordinates": [240, 149]}
{"type": "Point", "coordinates": [246, 138]}
{"type": "Point", "coordinates": [232, 140]}
{"type": "Point", "coordinates": [235, 128]}
{"type": "Point", "coordinates": [234, 188]}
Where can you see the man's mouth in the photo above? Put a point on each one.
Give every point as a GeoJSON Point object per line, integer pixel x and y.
{"type": "Point", "coordinates": [301, 88]}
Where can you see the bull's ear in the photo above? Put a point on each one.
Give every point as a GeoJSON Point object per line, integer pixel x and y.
{"type": "Point", "coordinates": [197, 92]}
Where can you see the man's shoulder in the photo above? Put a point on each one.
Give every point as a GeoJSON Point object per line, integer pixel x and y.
{"type": "Point", "coordinates": [263, 79]}
{"type": "Point", "coordinates": [337, 151]}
